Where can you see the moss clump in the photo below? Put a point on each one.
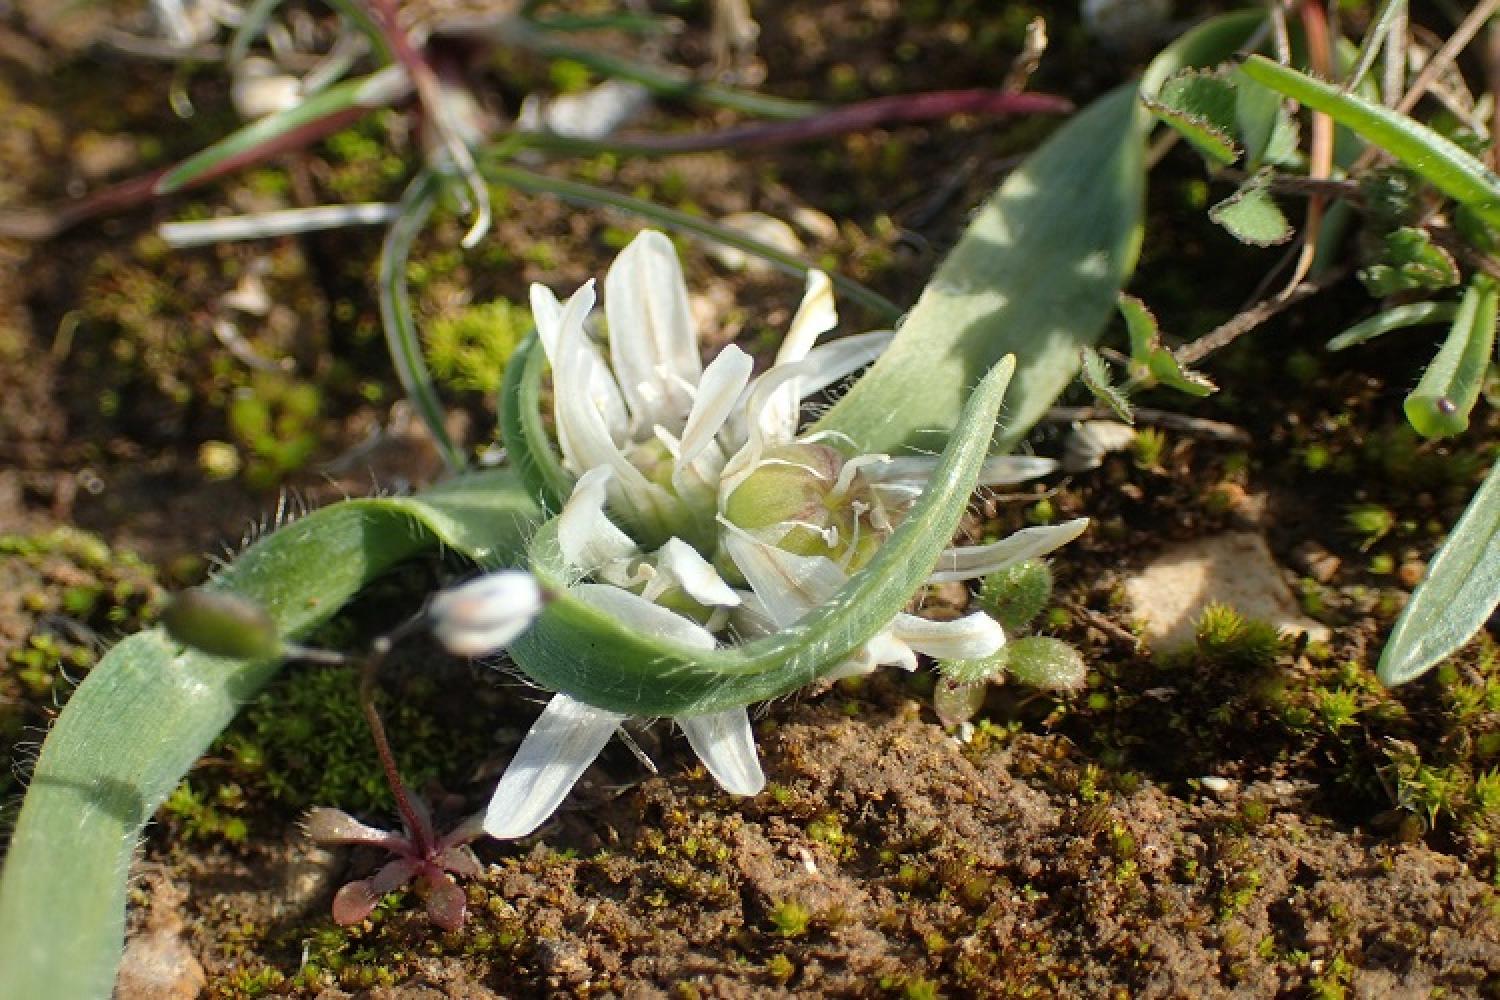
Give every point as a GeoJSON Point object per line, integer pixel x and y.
{"type": "Point", "coordinates": [790, 918]}
{"type": "Point", "coordinates": [468, 351]}
{"type": "Point", "coordinates": [1227, 637]}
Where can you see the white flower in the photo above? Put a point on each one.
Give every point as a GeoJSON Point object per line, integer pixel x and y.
{"type": "Point", "coordinates": [697, 508]}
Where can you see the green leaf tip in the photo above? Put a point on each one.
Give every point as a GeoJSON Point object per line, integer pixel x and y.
{"type": "Point", "coordinates": [1460, 593]}
{"type": "Point", "coordinates": [1252, 216]}
{"type": "Point", "coordinates": [1440, 404]}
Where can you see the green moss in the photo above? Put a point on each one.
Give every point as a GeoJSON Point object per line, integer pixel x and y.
{"type": "Point", "coordinates": [1225, 636]}
{"type": "Point", "coordinates": [790, 918]}
{"type": "Point", "coordinates": [468, 351]}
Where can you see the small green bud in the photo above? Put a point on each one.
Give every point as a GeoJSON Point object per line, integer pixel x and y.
{"type": "Point", "coordinates": [1046, 663]}
{"type": "Point", "coordinates": [957, 703]}
{"type": "Point", "coordinates": [1014, 596]}
{"type": "Point", "coordinates": [221, 624]}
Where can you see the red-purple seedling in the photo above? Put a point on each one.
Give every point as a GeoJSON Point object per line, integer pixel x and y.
{"type": "Point", "coordinates": [421, 856]}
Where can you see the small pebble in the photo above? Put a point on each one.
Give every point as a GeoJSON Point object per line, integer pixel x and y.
{"type": "Point", "coordinates": [1216, 785]}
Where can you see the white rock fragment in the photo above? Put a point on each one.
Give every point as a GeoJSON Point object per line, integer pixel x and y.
{"type": "Point", "coordinates": [1235, 568]}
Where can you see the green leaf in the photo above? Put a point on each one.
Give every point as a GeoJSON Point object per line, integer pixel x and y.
{"type": "Point", "coordinates": [1398, 318]}
{"type": "Point", "coordinates": [1439, 406]}
{"type": "Point", "coordinates": [1460, 593]}
{"type": "Point", "coordinates": [527, 442]}
{"type": "Point", "coordinates": [1442, 162]}
{"type": "Point", "coordinates": [1200, 105]}
{"type": "Point", "coordinates": [1095, 374]}
{"type": "Point", "coordinates": [1149, 359]}
{"type": "Point", "coordinates": [576, 648]}
{"type": "Point", "coordinates": [150, 708]}
{"type": "Point", "coordinates": [1409, 261]}
{"type": "Point", "coordinates": [1267, 129]}
{"type": "Point", "coordinates": [1034, 275]}
{"type": "Point", "coordinates": [1252, 216]}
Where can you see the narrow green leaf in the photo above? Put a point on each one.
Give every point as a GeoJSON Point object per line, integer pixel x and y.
{"type": "Point", "coordinates": [1460, 593]}
{"type": "Point", "coordinates": [1095, 375]}
{"type": "Point", "coordinates": [578, 649]}
{"type": "Point", "coordinates": [1252, 216]}
{"type": "Point", "coordinates": [1439, 406]}
{"type": "Point", "coordinates": [1375, 38]}
{"type": "Point", "coordinates": [527, 442]}
{"type": "Point", "coordinates": [401, 336]}
{"type": "Point", "coordinates": [1442, 162]}
{"type": "Point", "coordinates": [145, 714]}
{"type": "Point", "coordinates": [252, 22]}
{"type": "Point", "coordinates": [1200, 105]}
{"type": "Point", "coordinates": [1398, 318]}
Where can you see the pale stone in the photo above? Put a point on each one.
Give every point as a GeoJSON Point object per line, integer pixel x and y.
{"type": "Point", "coordinates": [1236, 569]}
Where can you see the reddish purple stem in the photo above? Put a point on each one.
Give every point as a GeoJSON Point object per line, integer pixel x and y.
{"type": "Point", "coordinates": [857, 117]}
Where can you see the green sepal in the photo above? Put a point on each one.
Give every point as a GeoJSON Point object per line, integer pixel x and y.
{"type": "Point", "coordinates": [579, 650]}
{"type": "Point", "coordinates": [1200, 105]}
{"type": "Point", "coordinates": [527, 442]}
{"type": "Point", "coordinates": [1439, 406]}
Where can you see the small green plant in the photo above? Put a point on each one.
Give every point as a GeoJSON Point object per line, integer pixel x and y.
{"type": "Point", "coordinates": [790, 918]}
{"type": "Point", "coordinates": [469, 351]}
{"type": "Point", "coordinates": [1226, 636]}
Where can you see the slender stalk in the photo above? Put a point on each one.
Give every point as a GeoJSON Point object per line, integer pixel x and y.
{"type": "Point", "coordinates": [416, 824]}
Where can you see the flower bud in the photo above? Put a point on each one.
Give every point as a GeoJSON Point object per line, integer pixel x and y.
{"type": "Point", "coordinates": [1044, 662]}
{"type": "Point", "coordinates": [1015, 595]}
{"type": "Point", "coordinates": [486, 614]}
{"type": "Point", "coordinates": [221, 624]}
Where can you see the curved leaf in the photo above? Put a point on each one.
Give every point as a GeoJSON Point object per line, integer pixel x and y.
{"type": "Point", "coordinates": [1439, 406]}
{"type": "Point", "coordinates": [149, 709]}
{"type": "Point", "coordinates": [526, 440]}
{"type": "Point", "coordinates": [1395, 318]}
{"type": "Point", "coordinates": [593, 657]}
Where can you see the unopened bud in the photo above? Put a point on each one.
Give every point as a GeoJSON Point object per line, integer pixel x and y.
{"type": "Point", "coordinates": [221, 624]}
{"type": "Point", "coordinates": [485, 615]}
{"type": "Point", "coordinates": [795, 486]}
{"type": "Point", "coordinates": [1015, 595]}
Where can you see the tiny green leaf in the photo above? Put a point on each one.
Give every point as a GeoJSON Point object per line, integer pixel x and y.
{"type": "Point", "coordinates": [1200, 104]}
{"type": "Point", "coordinates": [1266, 128]}
{"type": "Point", "coordinates": [1439, 406]}
{"type": "Point", "coordinates": [1409, 261]}
{"type": "Point", "coordinates": [1397, 318]}
{"type": "Point", "coordinates": [1095, 374]}
{"type": "Point", "coordinates": [1442, 162]}
{"type": "Point", "coordinates": [1252, 216]}
{"type": "Point", "coordinates": [1150, 359]}
{"type": "Point", "coordinates": [1460, 593]}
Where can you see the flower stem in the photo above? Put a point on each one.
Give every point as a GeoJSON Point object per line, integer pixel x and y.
{"type": "Point", "coordinates": [418, 827]}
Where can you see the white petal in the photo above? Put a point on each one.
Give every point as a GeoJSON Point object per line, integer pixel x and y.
{"type": "Point", "coordinates": [587, 538]}
{"type": "Point", "coordinates": [787, 584]}
{"type": "Point", "coordinates": [815, 317]}
{"type": "Point", "coordinates": [586, 377]}
{"type": "Point", "coordinates": [723, 381]}
{"type": "Point", "coordinates": [889, 651]}
{"type": "Point", "coordinates": [966, 562]}
{"type": "Point", "coordinates": [695, 574]}
{"type": "Point", "coordinates": [968, 638]}
{"type": "Point", "coordinates": [725, 744]}
{"type": "Point", "coordinates": [485, 615]}
{"type": "Point", "coordinates": [643, 616]}
{"type": "Point", "coordinates": [561, 744]}
{"type": "Point", "coordinates": [651, 339]}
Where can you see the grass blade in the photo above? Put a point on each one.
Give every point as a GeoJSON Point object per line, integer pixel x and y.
{"type": "Point", "coordinates": [149, 709]}
{"type": "Point", "coordinates": [1439, 406]}
{"type": "Point", "coordinates": [396, 316]}
{"type": "Point", "coordinates": [1397, 318]}
{"type": "Point", "coordinates": [1460, 593]}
